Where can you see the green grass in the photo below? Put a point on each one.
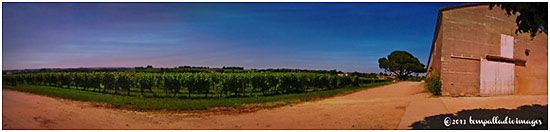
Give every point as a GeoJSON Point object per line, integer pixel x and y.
{"type": "Point", "coordinates": [140, 103]}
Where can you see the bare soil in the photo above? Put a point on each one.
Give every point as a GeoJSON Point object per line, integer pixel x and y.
{"type": "Point", "coordinates": [394, 106]}
{"type": "Point", "coordinates": [384, 107]}
{"type": "Point", "coordinates": [374, 108]}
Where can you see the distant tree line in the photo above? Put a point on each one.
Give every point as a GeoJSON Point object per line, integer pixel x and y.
{"type": "Point", "coordinates": [116, 69]}
{"type": "Point", "coordinates": [365, 75]}
{"type": "Point", "coordinates": [190, 69]}
{"type": "Point", "coordinates": [301, 70]}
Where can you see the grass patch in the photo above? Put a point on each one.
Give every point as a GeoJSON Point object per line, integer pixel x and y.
{"type": "Point", "coordinates": [141, 103]}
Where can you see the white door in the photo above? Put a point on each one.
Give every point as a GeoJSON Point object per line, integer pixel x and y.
{"type": "Point", "coordinates": [506, 46]}
{"type": "Point", "coordinates": [496, 78]}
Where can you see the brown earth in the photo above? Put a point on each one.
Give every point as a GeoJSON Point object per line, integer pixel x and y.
{"type": "Point", "coordinates": [375, 108]}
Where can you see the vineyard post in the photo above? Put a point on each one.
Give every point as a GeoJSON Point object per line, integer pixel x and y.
{"type": "Point", "coordinates": [243, 88]}
{"type": "Point", "coordinates": [189, 91]}
{"type": "Point", "coordinates": [207, 87]}
{"type": "Point", "coordinates": [141, 87]}
{"type": "Point", "coordinates": [127, 85]}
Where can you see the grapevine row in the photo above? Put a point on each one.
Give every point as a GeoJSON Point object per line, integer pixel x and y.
{"type": "Point", "coordinates": [174, 84]}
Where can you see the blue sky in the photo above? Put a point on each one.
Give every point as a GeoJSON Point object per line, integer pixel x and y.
{"type": "Point", "coordinates": [344, 36]}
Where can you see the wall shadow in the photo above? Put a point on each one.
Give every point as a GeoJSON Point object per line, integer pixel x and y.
{"type": "Point", "coordinates": [526, 112]}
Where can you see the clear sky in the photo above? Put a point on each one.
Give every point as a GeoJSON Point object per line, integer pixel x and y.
{"type": "Point", "coordinates": [344, 36]}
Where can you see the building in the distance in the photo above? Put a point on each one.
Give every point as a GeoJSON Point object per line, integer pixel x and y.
{"type": "Point", "coordinates": [477, 53]}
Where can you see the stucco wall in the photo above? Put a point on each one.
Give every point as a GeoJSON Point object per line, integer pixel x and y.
{"type": "Point", "coordinates": [475, 32]}
{"type": "Point", "coordinates": [435, 62]}
{"type": "Point", "coordinates": [533, 77]}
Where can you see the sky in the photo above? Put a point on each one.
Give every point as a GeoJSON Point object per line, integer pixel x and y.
{"type": "Point", "coordinates": [321, 36]}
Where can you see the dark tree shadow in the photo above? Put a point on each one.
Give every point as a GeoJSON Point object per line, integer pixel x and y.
{"type": "Point", "coordinates": [526, 112]}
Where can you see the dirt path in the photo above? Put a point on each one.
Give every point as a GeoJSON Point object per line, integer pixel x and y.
{"type": "Point", "coordinates": [418, 110]}
{"type": "Point", "coordinates": [375, 108]}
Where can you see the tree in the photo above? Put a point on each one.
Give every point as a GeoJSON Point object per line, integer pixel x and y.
{"type": "Point", "coordinates": [532, 18]}
{"type": "Point", "coordinates": [401, 63]}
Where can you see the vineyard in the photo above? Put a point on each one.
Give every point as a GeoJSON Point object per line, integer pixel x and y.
{"type": "Point", "coordinates": [188, 85]}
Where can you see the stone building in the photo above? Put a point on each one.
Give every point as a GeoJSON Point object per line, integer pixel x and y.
{"type": "Point", "coordinates": [477, 53]}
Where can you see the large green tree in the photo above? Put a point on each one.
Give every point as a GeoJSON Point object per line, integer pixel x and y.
{"type": "Point", "coordinates": [401, 63]}
{"type": "Point", "coordinates": [532, 18]}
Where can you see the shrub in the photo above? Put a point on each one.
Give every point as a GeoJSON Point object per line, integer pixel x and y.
{"type": "Point", "coordinates": [414, 78]}
{"type": "Point", "coordinates": [433, 84]}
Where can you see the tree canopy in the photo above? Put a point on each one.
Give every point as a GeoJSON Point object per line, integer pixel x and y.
{"type": "Point", "coordinates": [401, 63]}
{"type": "Point", "coordinates": [532, 18]}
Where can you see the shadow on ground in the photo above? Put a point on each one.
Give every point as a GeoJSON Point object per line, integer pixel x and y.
{"type": "Point", "coordinates": [461, 120]}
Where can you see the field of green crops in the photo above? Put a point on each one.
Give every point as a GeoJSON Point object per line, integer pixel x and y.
{"type": "Point", "coordinates": [188, 85]}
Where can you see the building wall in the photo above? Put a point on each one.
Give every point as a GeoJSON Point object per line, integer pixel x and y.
{"type": "Point", "coordinates": [533, 77]}
{"type": "Point", "coordinates": [435, 61]}
{"type": "Point", "coordinates": [437, 57]}
{"type": "Point", "coordinates": [475, 32]}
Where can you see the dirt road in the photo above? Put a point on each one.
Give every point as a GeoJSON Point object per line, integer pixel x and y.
{"type": "Point", "coordinates": [375, 108]}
